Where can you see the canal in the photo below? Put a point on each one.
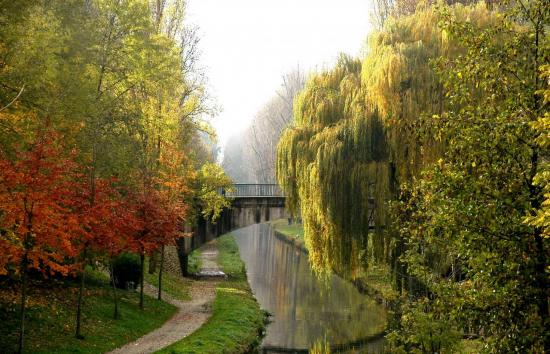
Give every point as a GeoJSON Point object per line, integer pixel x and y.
{"type": "Point", "coordinates": [305, 310]}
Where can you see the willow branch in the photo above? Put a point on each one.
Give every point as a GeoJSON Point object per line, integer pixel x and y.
{"type": "Point", "coordinates": [15, 99]}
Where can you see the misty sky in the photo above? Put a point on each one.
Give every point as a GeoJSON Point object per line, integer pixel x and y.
{"type": "Point", "coordinates": [247, 45]}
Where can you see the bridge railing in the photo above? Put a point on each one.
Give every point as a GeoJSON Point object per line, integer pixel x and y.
{"type": "Point", "coordinates": [253, 190]}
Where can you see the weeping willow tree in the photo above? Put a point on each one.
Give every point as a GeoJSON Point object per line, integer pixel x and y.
{"type": "Point", "coordinates": [334, 164]}
{"type": "Point", "coordinates": [356, 138]}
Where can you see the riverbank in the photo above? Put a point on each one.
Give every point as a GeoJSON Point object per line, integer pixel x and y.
{"type": "Point", "coordinates": [293, 234]}
{"type": "Point", "coordinates": [237, 322]}
{"type": "Point", "coordinates": [375, 282]}
{"type": "Point", "coordinates": [51, 317]}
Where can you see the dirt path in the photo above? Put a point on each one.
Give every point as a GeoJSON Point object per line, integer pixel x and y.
{"type": "Point", "coordinates": [209, 265]}
{"type": "Point", "coordinates": [191, 314]}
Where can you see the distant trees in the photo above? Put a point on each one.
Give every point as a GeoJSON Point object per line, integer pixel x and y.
{"type": "Point", "coordinates": [251, 157]}
{"type": "Point", "coordinates": [236, 159]}
{"type": "Point", "coordinates": [437, 140]}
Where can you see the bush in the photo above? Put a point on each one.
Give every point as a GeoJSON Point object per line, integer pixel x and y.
{"type": "Point", "coordinates": [127, 270]}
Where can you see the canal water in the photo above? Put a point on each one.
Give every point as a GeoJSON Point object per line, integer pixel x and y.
{"type": "Point", "coordinates": [306, 311]}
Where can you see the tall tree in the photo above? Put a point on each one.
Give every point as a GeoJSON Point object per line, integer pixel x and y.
{"type": "Point", "coordinates": [482, 266]}
{"type": "Point", "coordinates": [35, 201]}
{"type": "Point", "coordinates": [119, 81]}
{"type": "Point", "coordinates": [425, 119]}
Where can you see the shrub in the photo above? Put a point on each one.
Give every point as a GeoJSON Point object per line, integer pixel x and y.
{"type": "Point", "coordinates": [127, 270]}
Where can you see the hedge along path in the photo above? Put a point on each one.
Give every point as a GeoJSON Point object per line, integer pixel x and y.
{"type": "Point", "coordinates": [191, 314]}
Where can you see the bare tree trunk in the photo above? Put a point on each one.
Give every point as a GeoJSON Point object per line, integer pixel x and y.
{"type": "Point", "coordinates": [142, 266]}
{"type": "Point", "coordinates": [113, 282]}
{"type": "Point", "coordinates": [160, 272]}
{"type": "Point", "coordinates": [182, 256]}
{"type": "Point", "coordinates": [78, 335]}
{"type": "Point", "coordinates": [24, 275]}
{"type": "Point", "coordinates": [153, 260]}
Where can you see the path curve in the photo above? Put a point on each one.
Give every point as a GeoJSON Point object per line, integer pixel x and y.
{"type": "Point", "coordinates": [190, 316]}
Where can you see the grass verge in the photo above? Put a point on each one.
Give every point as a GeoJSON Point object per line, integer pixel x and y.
{"type": "Point", "coordinates": [471, 346]}
{"type": "Point", "coordinates": [195, 262]}
{"type": "Point", "coordinates": [51, 317]}
{"type": "Point", "coordinates": [376, 281]}
{"type": "Point", "coordinates": [173, 284]}
{"type": "Point", "coordinates": [293, 234]}
{"type": "Point", "coordinates": [237, 321]}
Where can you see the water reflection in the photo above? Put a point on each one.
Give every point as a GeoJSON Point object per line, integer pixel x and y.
{"type": "Point", "coordinates": [305, 311]}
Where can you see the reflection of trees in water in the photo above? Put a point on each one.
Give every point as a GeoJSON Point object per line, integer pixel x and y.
{"type": "Point", "coordinates": [304, 308]}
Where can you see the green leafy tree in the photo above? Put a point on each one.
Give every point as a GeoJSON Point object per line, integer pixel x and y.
{"type": "Point", "coordinates": [355, 140]}
{"type": "Point", "coordinates": [480, 264]}
{"type": "Point", "coordinates": [446, 116]}
{"type": "Point", "coordinates": [212, 179]}
{"type": "Point", "coordinates": [117, 80]}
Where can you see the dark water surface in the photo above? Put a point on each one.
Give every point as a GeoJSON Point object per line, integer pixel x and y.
{"type": "Point", "coordinates": [305, 310]}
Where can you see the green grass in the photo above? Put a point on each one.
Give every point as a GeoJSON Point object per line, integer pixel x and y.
{"type": "Point", "coordinates": [172, 284]}
{"type": "Point", "coordinates": [51, 317]}
{"type": "Point", "coordinates": [471, 346]}
{"type": "Point", "coordinates": [237, 319]}
{"type": "Point", "coordinates": [195, 262]}
{"type": "Point", "coordinates": [295, 230]}
{"type": "Point", "coordinates": [293, 233]}
{"type": "Point", "coordinates": [378, 281]}
{"type": "Point", "coordinates": [230, 260]}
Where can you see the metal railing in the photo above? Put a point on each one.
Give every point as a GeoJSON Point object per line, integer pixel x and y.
{"type": "Point", "coordinates": [241, 190]}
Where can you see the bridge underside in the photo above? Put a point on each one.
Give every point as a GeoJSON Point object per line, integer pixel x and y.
{"type": "Point", "coordinates": [244, 211]}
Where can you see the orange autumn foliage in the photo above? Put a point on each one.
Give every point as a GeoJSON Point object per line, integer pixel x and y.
{"type": "Point", "coordinates": [51, 212]}
{"type": "Point", "coordinates": [159, 203]}
{"type": "Point", "coordinates": [106, 220]}
{"type": "Point", "coordinates": [36, 222]}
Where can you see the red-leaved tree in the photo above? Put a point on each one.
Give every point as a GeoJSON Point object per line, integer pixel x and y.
{"type": "Point", "coordinates": [106, 225]}
{"type": "Point", "coordinates": [161, 209]}
{"type": "Point", "coordinates": [35, 217]}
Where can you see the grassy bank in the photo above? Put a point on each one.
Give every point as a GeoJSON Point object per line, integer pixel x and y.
{"type": "Point", "coordinates": [51, 317]}
{"type": "Point", "coordinates": [172, 283]}
{"type": "Point", "coordinates": [375, 282]}
{"type": "Point", "coordinates": [237, 319]}
{"type": "Point", "coordinates": [293, 234]}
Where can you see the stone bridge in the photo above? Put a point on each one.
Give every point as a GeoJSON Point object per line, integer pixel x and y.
{"type": "Point", "coordinates": [250, 204]}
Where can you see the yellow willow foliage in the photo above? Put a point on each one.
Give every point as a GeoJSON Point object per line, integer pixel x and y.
{"type": "Point", "coordinates": [353, 140]}
{"type": "Point", "coordinates": [332, 159]}
{"type": "Point", "coordinates": [400, 83]}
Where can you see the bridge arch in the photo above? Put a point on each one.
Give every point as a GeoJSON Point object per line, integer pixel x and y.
{"type": "Point", "coordinates": [250, 204]}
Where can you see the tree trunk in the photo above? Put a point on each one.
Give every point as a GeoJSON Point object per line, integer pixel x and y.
{"type": "Point", "coordinates": [23, 303]}
{"type": "Point", "coordinates": [113, 282]}
{"type": "Point", "coordinates": [184, 265]}
{"type": "Point", "coordinates": [78, 335]}
{"type": "Point", "coordinates": [542, 283]}
{"type": "Point", "coordinates": [541, 279]}
{"type": "Point", "coordinates": [153, 260]}
{"type": "Point", "coordinates": [183, 257]}
{"type": "Point", "coordinates": [161, 268]}
{"type": "Point", "coordinates": [142, 266]}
